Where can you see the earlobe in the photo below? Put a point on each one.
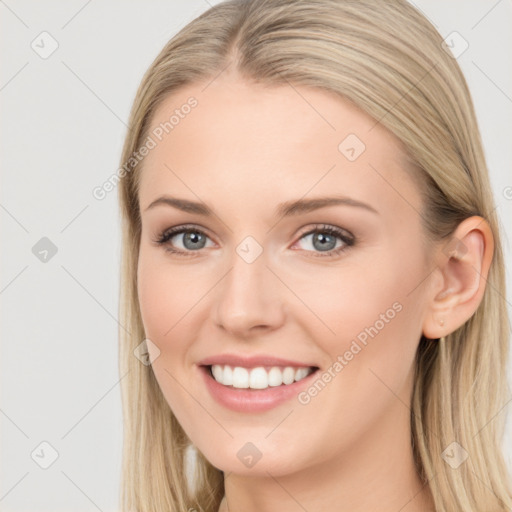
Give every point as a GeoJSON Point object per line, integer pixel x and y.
{"type": "Point", "coordinates": [461, 276]}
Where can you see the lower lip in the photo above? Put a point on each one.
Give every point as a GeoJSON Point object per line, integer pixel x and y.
{"type": "Point", "coordinates": [253, 400]}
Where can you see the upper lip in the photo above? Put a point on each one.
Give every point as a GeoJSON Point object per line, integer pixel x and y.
{"type": "Point", "coordinates": [251, 361]}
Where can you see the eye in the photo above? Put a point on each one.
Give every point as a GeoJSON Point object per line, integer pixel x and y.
{"type": "Point", "coordinates": [323, 238]}
{"type": "Point", "coordinates": [192, 238]}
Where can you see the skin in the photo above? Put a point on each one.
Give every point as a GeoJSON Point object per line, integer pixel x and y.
{"type": "Point", "coordinates": [243, 150]}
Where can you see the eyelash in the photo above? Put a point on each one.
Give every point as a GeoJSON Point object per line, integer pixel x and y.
{"type": "Point", "coordinates": [166, 235]}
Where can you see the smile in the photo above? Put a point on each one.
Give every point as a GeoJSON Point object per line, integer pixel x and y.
{"type": "Point", "coordinates": [259, 377]}
{"type": "Point", "coordinates": [255, 390]}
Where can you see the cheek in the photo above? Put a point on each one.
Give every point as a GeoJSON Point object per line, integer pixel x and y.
{"type": "Point", "coordinates": [152, 301]}
{"type": "Point", "coordinates": [369, 316]}
{"type": "Point", "coordinates": [164, 295]}
{"type": "Point", "coordinates": [356, 299]}
{"type": "Point", "coordinates": [164, 302]}
{"type": "Point", "coordinates": [171, 300]}
{"type": "Point", "coordinates": [376, 327]}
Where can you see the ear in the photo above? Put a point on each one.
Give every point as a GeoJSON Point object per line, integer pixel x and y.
{"type": "Point", "coordinates": [458, 282]}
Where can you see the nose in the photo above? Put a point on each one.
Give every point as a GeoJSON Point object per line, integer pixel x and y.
{"type": "Point", "coordinates": [249, 298]}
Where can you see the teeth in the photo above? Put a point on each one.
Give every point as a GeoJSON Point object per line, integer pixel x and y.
{"type": "Point", "coordinates": [259, 377]}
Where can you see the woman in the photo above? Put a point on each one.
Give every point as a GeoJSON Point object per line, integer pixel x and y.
{"type": "Point", "coordinates": [312, 261]}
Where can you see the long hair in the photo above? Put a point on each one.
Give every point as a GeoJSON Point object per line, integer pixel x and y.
{"type": "Point", "coordinates": [388, 60]}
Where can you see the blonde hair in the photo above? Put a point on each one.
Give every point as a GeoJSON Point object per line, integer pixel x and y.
{"type": "Point", "coordinates": [388, 60]}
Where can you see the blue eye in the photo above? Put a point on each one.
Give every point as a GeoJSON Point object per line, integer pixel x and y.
{"type": "Point", "coordinates": [193, 237]}
{"type": "Point", "coordinates": [327, 244]}
{"type": "Point", "coordinates": [324, 239]}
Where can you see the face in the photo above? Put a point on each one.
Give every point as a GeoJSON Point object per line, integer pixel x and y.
{"type": "Point", "coordinates": [335, 286]}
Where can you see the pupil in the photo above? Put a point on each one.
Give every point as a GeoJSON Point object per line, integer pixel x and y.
{"type": "Point", "coordinates": [324, 240]}
{"type": "Point", "coordinates": [192, 237]}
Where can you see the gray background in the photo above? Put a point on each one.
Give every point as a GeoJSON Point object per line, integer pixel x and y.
{"type": "Point", "coordinates": [63, 123]}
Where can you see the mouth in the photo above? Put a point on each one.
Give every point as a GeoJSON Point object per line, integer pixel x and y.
{"type": "Point", "coordinates": [258, 378]}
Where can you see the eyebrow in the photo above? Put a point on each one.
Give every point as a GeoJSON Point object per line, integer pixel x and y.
{"type": "Point", "coordinates": [285, 209]}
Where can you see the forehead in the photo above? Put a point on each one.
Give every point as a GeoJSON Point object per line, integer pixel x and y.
{"type": "Point", "coordinates": [249, 140]}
